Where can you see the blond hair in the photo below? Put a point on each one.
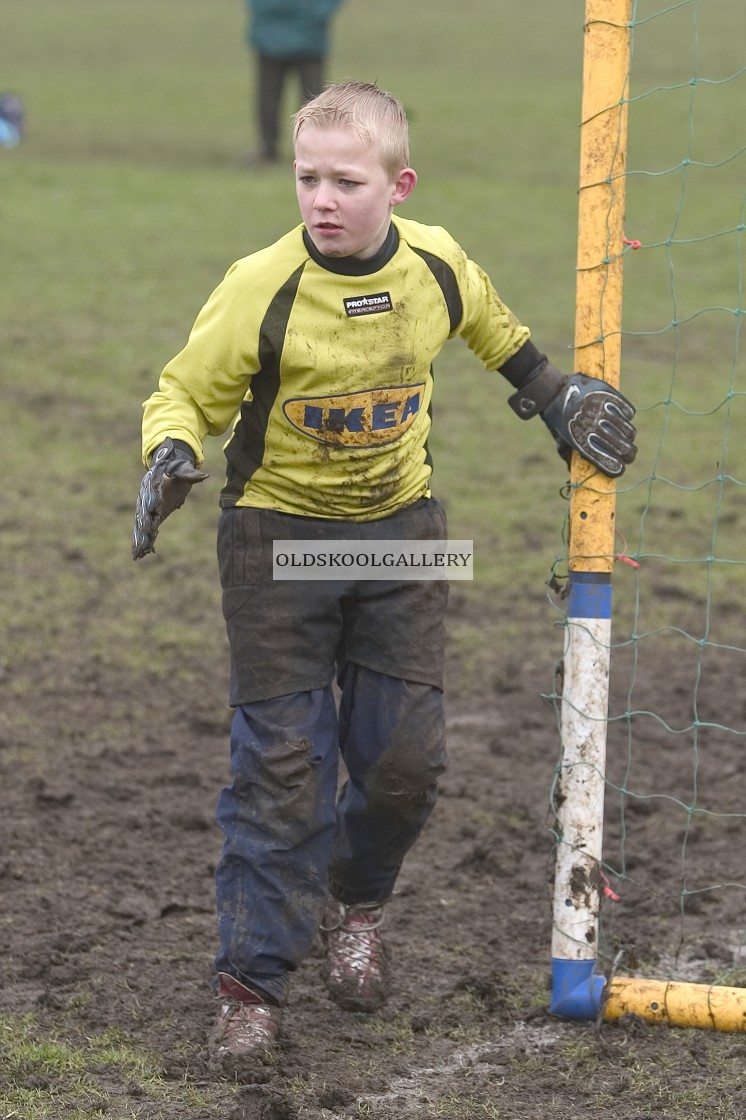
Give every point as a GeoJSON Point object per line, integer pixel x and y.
{"type": "Point", "coordinates": [377, 117]}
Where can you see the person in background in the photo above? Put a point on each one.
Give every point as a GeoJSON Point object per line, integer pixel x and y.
{"type": "Point", "coordinates": [286, 36]}
{"type": "Point", "coordinates": [12, 120]}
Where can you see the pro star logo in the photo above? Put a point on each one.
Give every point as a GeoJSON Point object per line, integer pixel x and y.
{"type": "Point", "coordinates": [368, 305]}
{"type": "Point", "coordinates": [362, 419]}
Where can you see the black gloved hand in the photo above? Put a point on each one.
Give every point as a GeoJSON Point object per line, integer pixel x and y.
{"type": "Point", "coordinates": [163, 489]}
{"type": "Point", "coordinates": [593, 418]}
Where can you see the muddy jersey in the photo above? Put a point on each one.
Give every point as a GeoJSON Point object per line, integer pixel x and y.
{"type": "Point", "coordinates": [321, 368]}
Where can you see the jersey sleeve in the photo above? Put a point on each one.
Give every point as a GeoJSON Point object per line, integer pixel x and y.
{"type": "Point", "coordinates": [488, 326]}
{"type": "Point", "coordinates": [201, 389]}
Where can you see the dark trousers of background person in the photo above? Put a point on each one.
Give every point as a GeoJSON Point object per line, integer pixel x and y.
{"type": "Point", "coordinates": [272, 75]}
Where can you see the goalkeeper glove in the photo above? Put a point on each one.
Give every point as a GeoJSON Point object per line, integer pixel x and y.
{"type": "Point", "coordinates": [163, 489]}
{"type": "Point", "coordinates": [584, 414]}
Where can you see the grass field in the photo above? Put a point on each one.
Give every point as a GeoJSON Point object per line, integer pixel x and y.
{"type": "Point", "coordinates": [127, 201]}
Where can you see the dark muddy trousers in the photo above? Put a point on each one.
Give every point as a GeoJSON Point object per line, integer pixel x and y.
{"type": "Point", "coordinates": [290, 840]}
{"type": "Point", "coordinates": [272, 75]}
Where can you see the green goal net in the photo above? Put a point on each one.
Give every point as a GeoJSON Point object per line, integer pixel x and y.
{"type": "Point", "coordinates": [668, 894]}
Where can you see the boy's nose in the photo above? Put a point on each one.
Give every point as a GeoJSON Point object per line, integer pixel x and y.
{"type": "Point", "coordinates": [324, 199]}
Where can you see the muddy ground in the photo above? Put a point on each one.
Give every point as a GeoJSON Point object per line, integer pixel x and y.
{"type": "Point", "coordinates": [109, 783]}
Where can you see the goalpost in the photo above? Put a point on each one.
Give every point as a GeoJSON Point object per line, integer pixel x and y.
{"type": "Point", "coordinates": [580, 987]}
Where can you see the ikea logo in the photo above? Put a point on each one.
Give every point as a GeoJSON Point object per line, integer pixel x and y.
{"type": "Point", "coordinates": [361, 419]}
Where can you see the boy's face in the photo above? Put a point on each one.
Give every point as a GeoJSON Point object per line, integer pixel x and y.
{"type": "Point", "coordinates": [345, 195]}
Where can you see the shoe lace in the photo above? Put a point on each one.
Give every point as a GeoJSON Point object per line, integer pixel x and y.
{"type": "Point", "coordinates": [357, 937]}
{"type": "Point", "coordinates": [241, 1019]}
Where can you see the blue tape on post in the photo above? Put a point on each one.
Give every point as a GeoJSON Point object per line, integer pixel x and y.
{"type": "Point", "coordinates": [590, 595]}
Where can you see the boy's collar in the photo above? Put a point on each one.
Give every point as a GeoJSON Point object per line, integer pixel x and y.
{"type": "Point", "coordinates": [355, 266]}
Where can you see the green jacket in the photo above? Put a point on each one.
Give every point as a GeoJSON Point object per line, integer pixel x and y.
{"type": "Point", "coordinates": [290, 28]}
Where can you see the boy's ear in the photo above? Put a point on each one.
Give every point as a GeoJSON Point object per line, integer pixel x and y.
{"type": "Point", "coordinates": [404, 185]}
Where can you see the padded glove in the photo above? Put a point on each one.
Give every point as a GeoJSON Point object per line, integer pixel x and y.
{"type": "Point", "coordinates": [584, 414]}
{"type": "Point", "coordinates": [163, 489]}
{"type": "Point", "coordinates": [594, 419]}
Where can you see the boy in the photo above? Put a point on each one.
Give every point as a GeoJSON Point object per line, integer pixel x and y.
{"type": "Point", "coordinates": [318, 351]}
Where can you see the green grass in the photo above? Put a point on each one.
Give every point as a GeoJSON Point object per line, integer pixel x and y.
{"type": "Point", "coordinates": [91, 1078]}
{"type": "Point", "coordinates": [127, 202]}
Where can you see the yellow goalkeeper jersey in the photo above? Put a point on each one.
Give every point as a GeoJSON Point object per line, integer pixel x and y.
{"type": "Point", "coordinates": [321, 369]}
